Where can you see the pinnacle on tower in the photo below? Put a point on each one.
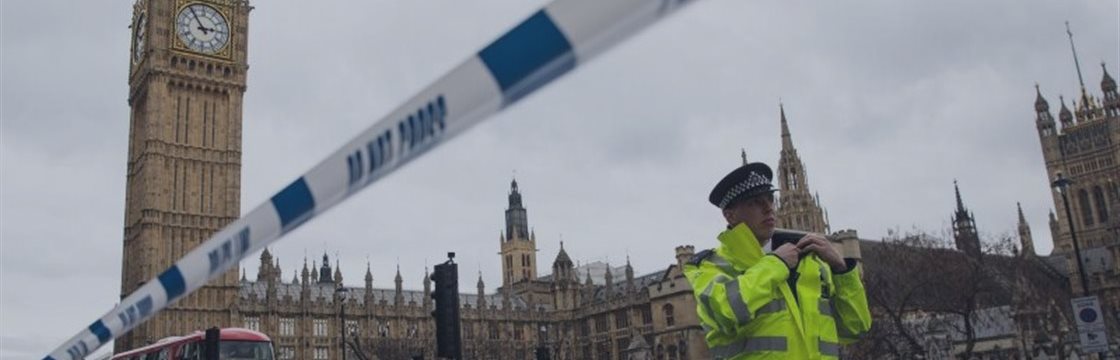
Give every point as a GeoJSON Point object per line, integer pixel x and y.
{"type": "Point", "coordinates": [1040, 104]}
{"type": "Point", "coordinates": [1107, 83]}
{"type": "Point", "coordinates": [964, 227]}
{"type": "Point", "coordinates": [960, 204]}
{"type": "Point", "coordinates": [1064, 115]}
{"type": "Point", "coordinates": [787, 141]}
{"type": "Point", "coordinates": [1025, 239]}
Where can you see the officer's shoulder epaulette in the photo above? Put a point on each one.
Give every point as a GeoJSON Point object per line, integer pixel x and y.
{"type": "Point", "coordinates": [700, 256]}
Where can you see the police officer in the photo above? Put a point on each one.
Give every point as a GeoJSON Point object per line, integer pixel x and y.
{"type": "Point", "coordinates": [801, 301]}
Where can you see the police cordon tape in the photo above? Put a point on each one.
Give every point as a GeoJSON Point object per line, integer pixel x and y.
{"type": "Point", "coordinates": [554, 40]}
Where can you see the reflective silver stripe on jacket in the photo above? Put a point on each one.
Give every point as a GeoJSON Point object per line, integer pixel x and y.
{"type": "Point", "coordinates": [706, 302]}
{"type": "Point", "coordinates": [762, 343]}
{"type": "Point", "coordinates": [825, 307]}
{"type": "Point", "coordinates": [772, 307]}
{"type": "Point", "coordinates": [738, 305]}
{"type": "Point", "coordinates": [829, 348]}
{"type": "Point", "coordinates": [722, 263]}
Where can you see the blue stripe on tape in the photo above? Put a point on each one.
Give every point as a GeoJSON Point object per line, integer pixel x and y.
{"type": "Point", "coordinates": [98, 328]}
{"type": "Point", "coordinates": [530, 55]}
{"type": "Point", "coordinates": [293, 204]}
{"type": "Point", "coordinates": [173, 283]}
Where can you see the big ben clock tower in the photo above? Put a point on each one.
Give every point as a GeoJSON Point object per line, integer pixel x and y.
{"type": "Point", "coordinates": [186, 82]}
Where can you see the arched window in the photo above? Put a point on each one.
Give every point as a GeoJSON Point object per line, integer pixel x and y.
{"type": "Point", "coordinates": [668, 310]}
{"type": "Point", "coordinates": [1102, 209]}
{"type": "Point", "coordinates": [1086, 210]}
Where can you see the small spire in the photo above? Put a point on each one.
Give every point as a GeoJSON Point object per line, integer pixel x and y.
{"type": "Point", "coordinates": [785, 123]}
{"type": "Point", "coordinates": [960, 204]}
{"type": "Point", "coordinates": [1064, 114]}
{"type": "Point", "coordinates": [744, 154]}
{"type": "Point", "coordinates": [1022, 219]}
{"type": "Point", "coordinates": [1040, 104]}
{"type": "Point", "coordinates": [243, 279]}
{"type": "Point", "coordinates": [1107, 83]}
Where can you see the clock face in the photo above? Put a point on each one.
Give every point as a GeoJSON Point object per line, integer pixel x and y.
{"type": "Point", "coordinates": [202, 28]}
{"type": "Point", "coordinates": [139, 36]}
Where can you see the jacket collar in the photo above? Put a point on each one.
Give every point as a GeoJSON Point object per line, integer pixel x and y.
{"type": "Point", "coordinates": [740, 247]}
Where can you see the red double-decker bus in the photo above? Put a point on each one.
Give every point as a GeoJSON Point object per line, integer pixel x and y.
{"type": "Point", "coordinates": [232, 344]}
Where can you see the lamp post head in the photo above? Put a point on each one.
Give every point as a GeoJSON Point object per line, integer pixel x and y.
{"type": "Point", "coordinates": [1062, 183]}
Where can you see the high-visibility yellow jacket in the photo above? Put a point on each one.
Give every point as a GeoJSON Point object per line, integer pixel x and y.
{"type": "Point", "coordinates": [749, 310]}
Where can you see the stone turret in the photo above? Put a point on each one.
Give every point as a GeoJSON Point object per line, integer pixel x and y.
{"type": "Point", "coordinates": [684, 253]}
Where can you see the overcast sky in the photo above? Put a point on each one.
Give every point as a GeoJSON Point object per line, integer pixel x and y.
{"type": "Point", "coordinates": [888, 102]}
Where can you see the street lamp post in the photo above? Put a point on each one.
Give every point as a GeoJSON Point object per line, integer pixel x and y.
{"type": "Point", "coordinates": [542, 347]}
{"type": "Point", "coordinates": [1062, 185]}
{"type": "Point", "coordinates": [341, 292]}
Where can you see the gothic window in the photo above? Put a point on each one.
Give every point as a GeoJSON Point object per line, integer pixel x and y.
{"type": "Point", "coordinates": [351, 327]}
{"type": "Point", "coordinates": [668, 310]}
{"type": "Point", "coordinates": [1086, 210]}
{"type": "Point", "coordinates": [604, 350]}
{"type": "Point", "coordinates": [647, 315]}
{"type": "Point", "coordinates": [253, 323]}
{"type": "Point", "coordinates": [621, 345]}
{"type": "Point", "coordinates": [494, 331]}
{"type": "Point", "coordinates": [287, 353]}
{"type": "Point", "coordinates": [412, 330]}
{"type": "Point", "coordinates": [621, 321]}
{"type": "Point", "coordinates": [1102, 209]}
{"type": "Point", "coordinates": [319, 327]}
{"type": "Point", "coordinates": [601, 323]}
{"type": "Point", "coordinates": [287, 327]}
{"type": "Point", "coordinates": [517, 332]}
{"type": "Point", "coordinates": [321, 353]}
{"type": "Point", "coordinates": [383, 330]}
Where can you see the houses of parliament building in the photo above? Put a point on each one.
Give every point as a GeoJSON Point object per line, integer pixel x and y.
{"type": "Point", "coordinates": [187, 78]}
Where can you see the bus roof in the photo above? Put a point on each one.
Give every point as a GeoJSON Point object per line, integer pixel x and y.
{"type": "Point", "coordinates": [227, 334]}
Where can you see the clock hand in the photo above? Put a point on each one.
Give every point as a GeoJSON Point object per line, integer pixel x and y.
{"type": "Point", "coordinates": [197, 20]}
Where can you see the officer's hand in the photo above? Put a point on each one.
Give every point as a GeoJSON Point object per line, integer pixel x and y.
{"type": "Point", "coordinates": [789, 254]}
{"type": "Point", "coordinates": [816, 243]}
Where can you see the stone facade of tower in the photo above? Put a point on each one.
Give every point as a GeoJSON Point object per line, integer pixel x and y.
{"type": "Point", "coordinates": [186, 81]}
{"type": "Point", "coordinates": [798, 208]}
{"type": "Point", "coordinates": [1084, 146]}
{"type": "Point", "coordinates": [575, 316]}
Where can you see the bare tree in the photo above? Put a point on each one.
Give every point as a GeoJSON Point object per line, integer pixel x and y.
{"type": "Point", "coordinates": [925, 296]}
